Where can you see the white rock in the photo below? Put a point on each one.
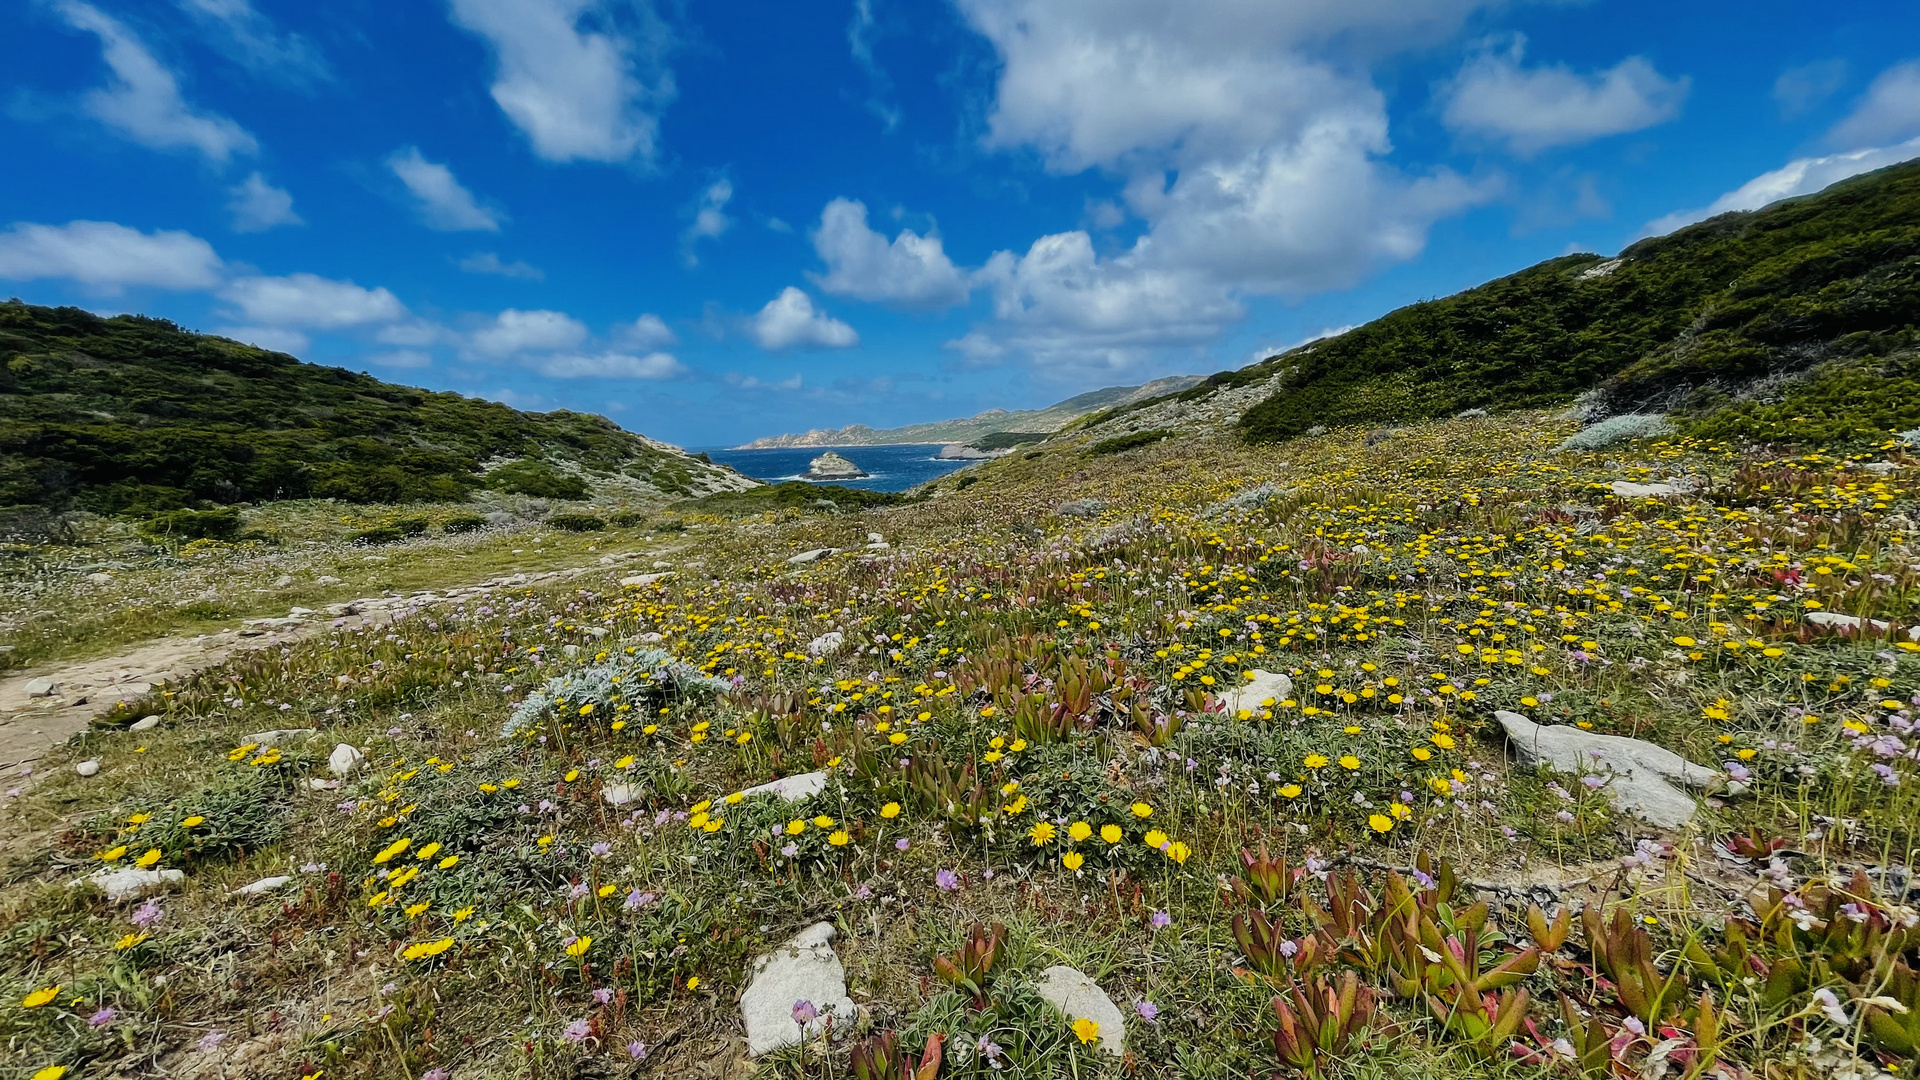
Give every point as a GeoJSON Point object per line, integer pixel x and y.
{"type": "Point", "coordinates": [792, 788]}
{"type": "Point", "coordinates": [1261, 693]}
{"type": "Point", "coordinates": [280, 736]}
{"type": "Point", "coordinates": [130, 883]}
{"type": "Point", "coordinates": [620, 794]}
{"type": "Point", "coordinates": [317, 784]}
{"type": "Point", "coordinates": [145, 723]}
{"type": "Point", "coordinates": [1882, 467]}
{"type": "Point", "coordinates": [325, 579]}
{"type": "Point", "coordinates": [264, 885]}
{"type": "Point", "coordinates": [826, 644]}
{"type": "Point", "coordinates": [345, 760]}
{"type": "Point", "coordinates": [814, 555]}
{"type": "Point", "coordinates": [299, 612]}
{"type": "Point", "coordinates": [1627, 489]}
{"type": "Point", "coordinates": [42, 687]}
{"type": "Point", "coordinates": [571, 651]}
{"type": "Point", "coordinates": [876, 538]}
{"type": "Point", "coordinates": [661, 564]}
{"type": "Point", "coordinates": [100, 578]}
{"type": "Point", "coordinates": [1078, 996]}
{"type": "Point", "coordinates": [1837, 621]}
{"type": "Point", "coordinates": [285, 580]}
{"type": "Point", "coordinates": [1644, 775]}
{"type": "Point", "coordinates": [88, 768]}
{"type": "Point", "coordinates": [804, 969]}
{"type": "Point", "coordinates": [637, 580]}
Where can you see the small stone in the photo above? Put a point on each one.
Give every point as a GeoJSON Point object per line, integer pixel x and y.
{"type": "Point", "coordinates": [90, 767]}
{"type": "Point", "coordinates": [792, 788]}
{"type": "Point", "coordinates": [344, 761]}
{"type": "Point", "coordinates": [145, 723]}
{"type": "Point", "coordinates": [299, 612]}
{"type": "Point", "coordinates": [804, 969]}
{"type": "Point", "coordinates": [1080, 998]}
{"type": "Point", "coordinates": [326, 579]}
{"type": "Point", "coordinates": [42, 687]}
{"type": "Point", "coordinates": [280, 736]}
{"type": "Point", "coordinates": [1644, 775]}
{"type": "Point", "coordinates": [1627, 489]}
{"type": "Point", "coordinates": [100, 578]}
{"type": "Point", "coordinates": [1262, 693]}
{"type": "Point", "coordinates": [814, 555]}
{"type": "Point", "coordinates": [634, 581]}
{"type": "Point", "coordinates": [264, 885]}
{"type": "Point", "coordinates": [876, 538]}
{"type": "Point", "coordinates": [1837, 621]}
{"type": "Point", "coordinates": [285, 580]}
{"type": "Point", "coordinates": [620, 794]}
{"type": "Point", "coordinates": [317, 784]}
{"type": "Point", "coordinates": [131, 884]}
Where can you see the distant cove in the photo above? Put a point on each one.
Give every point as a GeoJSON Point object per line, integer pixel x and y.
{"type": "Point", "coordinates": [893, 468]}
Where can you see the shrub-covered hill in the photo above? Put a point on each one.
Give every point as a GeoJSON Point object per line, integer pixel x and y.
{"type": "Point", "coordinates": [1793, 323]}
{"type": "Point", "coordinates": [136, 414]}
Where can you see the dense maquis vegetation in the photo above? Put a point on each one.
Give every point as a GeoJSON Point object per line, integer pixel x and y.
{"type": "Point", "coordinates": [1750, 325]}
{"type": "Point", "coordinates": [136, 414]}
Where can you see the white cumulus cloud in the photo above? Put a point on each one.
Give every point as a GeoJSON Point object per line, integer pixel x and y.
{"type": "Point", "coordinates": [107, 256]}
{"type": "Point", "coordinates": [310, 301]}
{"type": "Point", "coordinates": [443, 203]}
{"type": "Point", "coordinates": [514, 331]}
{"type": "Point", "coordinates": [1888, 111]}
{"type": "Point", "coordinates": [911, 270]}
{"type": "Point", "coordinates": [1252, 144]}
{"type": "Point", "coordinates": [258, 206]}
{"type": "Point", "coordinates": [646, 332]}
{"type": "Point", "coordinates": [791, 321]}
{"type": "Point", "coordinates": [583, 80]}
{"type": "Point", "coordinates": [1802, 176]}
{"type": "Point", "coordinates": [611, 365]}
{"type": "Point", "coordinates": [1532, 109]}
{"type": "Point", "coordinates": [142, 100]}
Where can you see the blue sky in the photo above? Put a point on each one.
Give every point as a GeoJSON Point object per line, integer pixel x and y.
{"type": "Point", "coordinates": [714, 223]}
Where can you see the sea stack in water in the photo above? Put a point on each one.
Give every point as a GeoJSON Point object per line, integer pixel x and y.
{"type": "Point", "coordinates": [831, 466]}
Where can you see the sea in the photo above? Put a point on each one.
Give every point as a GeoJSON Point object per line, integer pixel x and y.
{"type": "Point", "coordinates": [890, 468]}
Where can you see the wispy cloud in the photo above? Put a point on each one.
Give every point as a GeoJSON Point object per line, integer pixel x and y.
{"type": "Point", "coordinates": [486, 262]}
{"type": "Point", "coordinates": [444, 204]}
{"type": "Point", "coordinates": [142, 100]}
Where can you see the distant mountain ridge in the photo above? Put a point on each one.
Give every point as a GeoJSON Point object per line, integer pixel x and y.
{"type": "Point", "coordinates": [1052, 418]}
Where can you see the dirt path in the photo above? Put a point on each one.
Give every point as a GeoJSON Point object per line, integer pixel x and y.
{"type": "Point", "coordinates": [36, 716]}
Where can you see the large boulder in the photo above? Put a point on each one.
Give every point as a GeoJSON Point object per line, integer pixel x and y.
{"type": "Point", "coordinates": [1646, 779]}
{"type": "Point", "coordinates": [1075, 993]}
{"type": "Point", "coordinates": [794, 788]}
{"type": "Point", "coordinates": [1257, 698]}
{"type": "Point", "coordinates": [131, 883]}
{"type": "Point", "coordinates": [805, 969]}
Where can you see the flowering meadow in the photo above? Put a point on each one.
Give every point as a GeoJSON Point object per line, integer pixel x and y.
{"type": "Point", "coordinates": [550, 861]}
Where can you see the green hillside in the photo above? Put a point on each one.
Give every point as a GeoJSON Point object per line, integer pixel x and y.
{"type": "Point", "coordinates": [136, 414]}
{"type": "Point", "coordinates": [1758, 326]}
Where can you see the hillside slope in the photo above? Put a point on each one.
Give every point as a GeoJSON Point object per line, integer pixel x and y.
{"type": "Point", "coordinates": [1793, 323]}
{"type": "Point", "coordinates": [132, 413]}
{"type": "Point", "coordinates": [1052, 418]}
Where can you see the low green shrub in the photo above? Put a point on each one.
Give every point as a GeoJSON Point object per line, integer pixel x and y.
{"type": "Point", "coordinates": [221, 524]}
{"type": "Point", "coordinates": [463, 523]}
{"type": "Point", "coordinates": [391, 533]}
{"type": "Point", "coordinates": [1120, 444]}
{"type": "Point", "coordinates": [538, 479]}
{"type": "Point", "coordinates": [577, 522]}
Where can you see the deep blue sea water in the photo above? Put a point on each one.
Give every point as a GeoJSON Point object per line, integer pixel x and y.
{"type": "Point", "coordinates": [893, 468]}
